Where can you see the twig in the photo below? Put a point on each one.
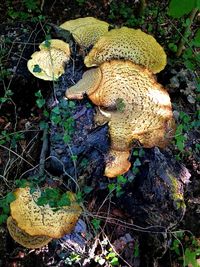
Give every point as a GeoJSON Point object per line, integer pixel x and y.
{"type": "Point", "coordinates": [186, 32]}
{"type": "Point", "coordinates": [43, 152]}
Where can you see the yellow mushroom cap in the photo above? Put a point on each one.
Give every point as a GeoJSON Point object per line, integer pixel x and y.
{"type": "Point", "coordinates": [25, 239]}
{"type": "Point", "coordinates": [57, 44]}
{"type": "Point", "coordinates": [86, 31]}
{"type": "Point", "coordinates": [48, 63]}
{"type": "Point", "coordinates": [43, 220]}
{"type": "Point", "coordinates": [130, 44]}
{"type": "Point", "coordinates": [145, 114]}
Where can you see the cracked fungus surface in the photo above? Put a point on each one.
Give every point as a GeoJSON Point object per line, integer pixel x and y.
{"type": "Point", "coordinates": [48, 63]}
{"type": "Point", "coordinates": [86, 31]}
{"type": "Point", "coordinates": [130, 44]}
{"type": "Point", "coordinates": [43, 220]}
{"type": "Point", "coordinates": [146, 115]}
{"type": "Point", "coordinates": [25, 239]}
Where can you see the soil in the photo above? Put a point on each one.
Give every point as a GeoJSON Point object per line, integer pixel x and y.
{"type": "Point", "coordinates": [147, 212]}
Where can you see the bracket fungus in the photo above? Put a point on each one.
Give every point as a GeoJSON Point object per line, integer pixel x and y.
{"type": "Point", "coordinates": [25, 239]}
{"type": "Point", "coordinates": [38, 220]}
{"type": "Point", "coordinates": [86, 31]}
{"type": "Point", "coordinates": [48, 63]}
{"type": "Point", "coordinates": [146, 115]}
{"type": "Point", "coordinates": [129, 44]}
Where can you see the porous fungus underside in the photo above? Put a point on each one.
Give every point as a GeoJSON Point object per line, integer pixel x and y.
{"type": "Point", "coordinates": [147, 114]}
{"type": "Point", "coordinates": [43, 220]}
{"type": "Point", "coordinates": [86, 31]}
{"type": "Point", "coordinates": [129, 44]}
{"type": "Point", "coordinates": [25, 239]}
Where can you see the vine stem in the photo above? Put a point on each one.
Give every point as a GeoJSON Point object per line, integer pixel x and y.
{"type": "Point", "coordinates": [186, 32]}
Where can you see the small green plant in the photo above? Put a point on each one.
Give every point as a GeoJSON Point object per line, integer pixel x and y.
{"type": "Point", "coordinates": [61, 116]}
{"type": "Point", "coordinates": [72, 259]}
{"type": "Point", "coordinates": [24, 10]}
{"type": "Point", "coordinates": [96, 224]}
{"type": "Point", "coordinates": [108, 257]}
{"type": "Point", "coordinates": [186, 123]}
{"type": "Point", "coordinates": [5, 206]}
{"type": "Point", "coordinates": [187, 248]}
{"type": "Point", "coordinates": [53, 197]}
{"type": "Point", "coordinates": [188, 42]}
{"type": "Point", "coordinates": [117, 187]}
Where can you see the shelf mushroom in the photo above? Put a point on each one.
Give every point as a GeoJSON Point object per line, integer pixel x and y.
{"type": "Point", "coordinates": [128, 44]}
{"type": "Point", "coordinates": [146, 115]}
{"type": "Point", "coordinates": [48, 63]}
{"type": "Point", "coordinates": [40, 221]}
{"type": "Point", "coordinates": [25, 239]}
{"type": "Point", "coordinates": [86, 31]}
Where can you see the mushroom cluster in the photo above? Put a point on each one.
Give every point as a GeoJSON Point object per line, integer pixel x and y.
{"type": "Point", "coordinates": [34, 226]}
{"type": "Point", "coordinates": [121, 83]}
{"type": "Point", "coordinates": [129, 99]}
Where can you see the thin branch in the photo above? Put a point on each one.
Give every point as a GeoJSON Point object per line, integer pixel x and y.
{"type": "Point", "coordinates": [186, 32]}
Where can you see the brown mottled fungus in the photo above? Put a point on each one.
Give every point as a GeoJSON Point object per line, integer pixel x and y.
{"type": "Point", "coordinates": [146, 115]}
{"type": "Point", "coordinates": [43, 220]}
{"type": "Point", "coordinates": [86, 31]}
{"type": "Point", "coordinates": [129, 44]}
{"type": "Point", "coordinates": [25, 239]}
{"type": "Point", "coordinates": [48, 63]}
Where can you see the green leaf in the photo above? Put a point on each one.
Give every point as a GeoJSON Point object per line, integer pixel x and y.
{"type": "Point", "coordinates": [96, 223]}
{"type": "Point", "coordinates": [196, 41]}
{"type": "Point", "coordinates": [179, 8]}
{"type": "Point", "coordinates": [56, 110]}
{"type": "Point", "coordinates": [180, 142]}
{"type": "Point", "coordinates": [111, 187]}
{"type": "Point", "coordinates": [6, 209]}
{"type": "Point", "coordinates": [3, 218]}
{"type": "Point", "coordinates": [66, 138]}
{"type": "Point", "coordinates": [71, 104]}
{"type": "Point", "coordinates": [172, 47]}
{"type": "Point", "coordinates": [43, 125]}
{"type": "Point", "coordinates": [111, 255]}
{"type": "Point", "coordinates": [121, 179]}
{"type": "Point", "coordinates": [39, 94]}
{"type": "Point", "coordinates": [37, 68]}
{"type": "Point", "coordinates": [114, 261]}
{"type": "Point", "coordinates": [21, 183]}
{"type": "Point", "coordinates": [42, 201]}
{"type": "Point", "coordinates": [10, 197]}
{"type": "Point", "coordinates": [137, 163]}
{"type": "Point", "coordinates": [87, 189]}
{"type": "Point", "coordinates": [136, 251]}
{"type": "Point", "coordinates": [40, 102]}
{"type": "Point", "coordinates": [64, 200]}
{"type": "Point", "coordinates": [190, 258]}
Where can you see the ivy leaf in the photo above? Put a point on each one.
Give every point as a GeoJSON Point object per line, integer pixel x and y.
{"type": "Point", "coordinates": [96, 223]}
{"type": "Point", "coordinates": [64, 201]}
{"type": "Point", "coordinates": [179, 8]}
{"type": "Point", "coordinates": [40, 102]}
{"type": "Point", "coordinates": [10, 197]}
{"type": "Point", "coordinates": [3, 218]}
{"type": "Point", "coordinates": [190, 258]}
{"type": "Point", "coordinates": [37, 68]}
{"type": "Point", "coordinates": [196, 41]}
